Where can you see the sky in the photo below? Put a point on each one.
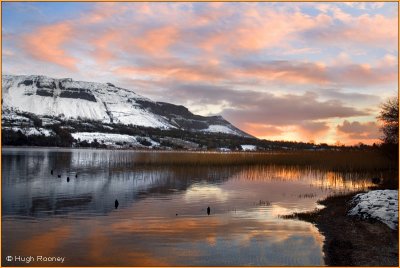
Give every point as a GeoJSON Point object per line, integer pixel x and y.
{"type": "Point", "coordinates": [279, 71]}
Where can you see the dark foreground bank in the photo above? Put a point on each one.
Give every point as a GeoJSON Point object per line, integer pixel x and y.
{"type": "Point", "coordinates": [350, 241]}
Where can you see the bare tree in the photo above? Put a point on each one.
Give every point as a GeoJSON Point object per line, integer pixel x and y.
{"type": "Point", "coordinates": [389, 117]}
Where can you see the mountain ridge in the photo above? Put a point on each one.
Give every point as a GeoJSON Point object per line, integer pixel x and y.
{"type": "Point", "coordinates": [104, 102]}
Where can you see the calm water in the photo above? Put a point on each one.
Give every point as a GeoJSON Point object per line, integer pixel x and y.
{"type": "Point", "coordinates": [162, 215]}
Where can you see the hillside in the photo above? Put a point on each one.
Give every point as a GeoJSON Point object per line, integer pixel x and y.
{"type": "Point", "coordinates": [69, 99]}
{"type": "Point", "coordinates": [37, 110]}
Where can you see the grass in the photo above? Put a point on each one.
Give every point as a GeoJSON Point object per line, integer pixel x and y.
{"type": "Point", "coordinates": [327, 160]}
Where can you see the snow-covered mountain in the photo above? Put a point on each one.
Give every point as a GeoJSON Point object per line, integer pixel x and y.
{"type": "Point", "coordinates": [69, 99]}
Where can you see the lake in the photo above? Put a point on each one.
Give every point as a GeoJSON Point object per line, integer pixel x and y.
{"type": "Point", "coordinates": [161, 219]}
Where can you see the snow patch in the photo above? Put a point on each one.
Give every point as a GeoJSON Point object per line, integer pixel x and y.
{"type": "Point", "coordinates": [223, 149]}
{"type": "Point", "coordinates": [49, 121]}
{"type": "Point", "coordinates": [381, 205]}
{"type": "Point", "coordinates": [110, 139]}
{"type": "Point", "coordinates": [106, 138]}
{"type": "Point", "coordinates": [31, 131]}
{"type": "Point", "coordinates": [247, 147]}
{"type": "Point", "coordinates": [220, 129]}
{"type": "Point", "coordinates": [15, 117]}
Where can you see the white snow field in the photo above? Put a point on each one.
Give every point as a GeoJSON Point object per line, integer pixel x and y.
{"type": "Point", "coordinates": [381, 205]}
{"type": "Point", "coordinates": [220, 129]}
{"type": "Point", "coordinates": [110, 139]}
{"type": "Point", "coordinates": [29, 131]}
{"type": "Point", "coordinates": [109, 102]}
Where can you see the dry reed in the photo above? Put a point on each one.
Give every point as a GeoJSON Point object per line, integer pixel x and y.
{"type": "Point", "coordinates": [327, 160]}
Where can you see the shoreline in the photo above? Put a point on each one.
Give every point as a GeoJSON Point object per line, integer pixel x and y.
{"type": "Point", "coordinates": [350, 241]}
{"type": "Point", "coordinates": [157, 150]}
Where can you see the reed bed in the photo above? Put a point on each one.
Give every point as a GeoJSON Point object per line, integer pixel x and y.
{"type": "Point", "coordinates": [327, 160]}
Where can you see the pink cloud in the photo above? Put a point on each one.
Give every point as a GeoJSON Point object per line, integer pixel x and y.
{"type": "Point", "coordinates": [48, 44]}
{"type": "Point", "coordinates": [288, 72]}
{"type": "Point", "coordinates": [297, 72]}
{"type": "Point", "coordinates": [126, 29]}
{"type": "Point", "coordinates": [310, 130]}
{"type": "Point", "coordinates": [102, 51]}
{"type": "Point", "coordinates": [262, 130]}
{"type": "Point", "coordinates": [365, 30]}
{"type": "Point", "coordinates": [262, 28]}
{"type": "Point", "coordinates": [173, 69]}
{"type": "Point", "coordinates": [156, 41]}
{"type": "Point", "coordinates": [372, 29]}
{"type": "Point", "coordinates": [358, 131]}
{"type": "Point", "coordinates": [304, 131]}
{"type": "Point", "coordinates": [102, 12]}
{"type": "Point", "coordinates": [363, 74]}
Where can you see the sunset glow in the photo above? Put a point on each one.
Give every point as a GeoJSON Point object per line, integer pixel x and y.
{"type": "Point", "coordinates": [279, 71]}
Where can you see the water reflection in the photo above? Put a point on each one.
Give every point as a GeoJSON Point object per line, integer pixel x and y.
{"type": "Point", "coordinates": [162, 214]}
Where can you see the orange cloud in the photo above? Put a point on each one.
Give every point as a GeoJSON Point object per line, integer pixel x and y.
{"type": "Point", "coordinates": [260, 29]}
{"type": "Point", "coordinates": [289, 72]}
{"type": "Point", "coordinates": [102, 12]}
{"type": "Point", "coordinates": [311, 130]}
{"type": "Point", "coordinates": [47, 44]}
{"type": "Point", "coordinates": [379, 28]}
{"type": "Point", "coordinates": [317, 73]}
{"type": "Point", "coordinates": [262, 130]}
{"type": "Point", "coordinates": [363, 74]}
{"type": "Point", "coordinates": [272, 31]}
{"type": "Point", "coordinates": [212, 41]}
{"type": "Point", "coordinates": [175, 70]}
{"type": "Point", "coordinates": [355, 131]}
{"type": "Point", "coordinates": [365, 30]}
{"type": "Point", "coordinates": [102, 51]}
{"type": "Point", "coordinates": [303, 131]}
{"type": "Point", "coordinates": [156, 41]}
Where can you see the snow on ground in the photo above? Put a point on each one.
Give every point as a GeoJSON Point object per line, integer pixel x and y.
{"type": "Point", "coordinates": [43, 95]}
{"type": "Point", "coordinates": [220, 129]}
{"type": "Point", "coordinates": [381, 205]}
{"type": "Point", "coordinates": [15, 117]}
{"type": "Point", "coordinates": [29, 131]}
{"type": "Point", "coordinates": [247, 147]}
{"type": "Point", "coordinates": [153, 143]}
{"type": "Point", "coordinates": [111, 139]}
{"type": "Point", "coordinates": [222, 149]}
{"type": "Point", "coordinates": [49, 121]}
{"type": "Point", "coordinates": [24, 98]}
{"type": "Point", "coordinates": [109, 101]}
{"type": "Point", "coordinates": [108, 138]}
{"type": "Point", "coordinates": [128, 114]}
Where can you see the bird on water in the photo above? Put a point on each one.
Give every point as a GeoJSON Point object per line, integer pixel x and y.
{"type": "Point", "coordinates": [116, 203]}
{"type": "Point", "coordinates": [208, 210]}
{"type": "Point", "coordinates": [51, 172]}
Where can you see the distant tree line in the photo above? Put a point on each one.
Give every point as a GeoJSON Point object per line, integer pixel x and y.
{"type": "Point", "coordinates": [62, 137]}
